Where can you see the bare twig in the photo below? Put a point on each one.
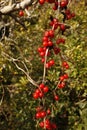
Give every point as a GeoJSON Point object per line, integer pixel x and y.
{"type": "Point", "coordinates": [18, 67]}
{"type": "Point", "coordinates": [44, 72]}
{"type": "Point", "coordinates": [2, 96]}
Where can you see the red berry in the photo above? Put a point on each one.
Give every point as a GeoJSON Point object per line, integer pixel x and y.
{"type": "Point", "coordinates": [38, 115]}
{"type": "Point", "coordinates": [43, 114]}
{"type": "Point", "coordinates": [63, 3]}
{"type": "Point", "coordinates": [38, 109]}
{"type": "Point", "coordinates": [41, 86]}
{"type": "Point", "coordinates": [40, 49]}
{"type": "Point", "coordinates": [45, 89]}
{"type": "Point", "coordinates": [46, 34]}
{"type": "Point", "coordinates": [42, 60]}
{"type": "Point", "coordinates": [47, 65]}
{"type": "Point", "coordinates": [42, 53]}
{"type": "Point", "coordinates": [62, 78]}
{"type": "Point", "coordinates": [62, 27]}
{"type": "Point", "coordinates": [56, 97]}
{"type": "Point", "coordinates": [35, 95]}
{"type": "Point", "coordinates": [55, 7]}
{"type": "Point", "coordinates": [67, 66]}
{"type": "Point", "coordinates": [44, 48]}
{"type": "Point", "coordinates": [21, 13]}
{"type": "Point", "coordinates": [41, 124]}
{"type": "Point", "coordinates": [51, 23]}
{"type": "Point", "coordinates": [41, 94]}
{"type": "Point", "coordinates": [61, 85]}
{"type": "Point", "coordinates": [60, 40]}
{"type": "Point", "coordinates": [73, 14]}
{"type": "Point", "coordinates": [37, 91]}
{"type": "Point", "coordinates": [45, 39]}
{"type": "Point", "coordinates": [41, 2]}
{"type": "Point", "coordinates": [48, 111]}
{"type": "Point", "coordinates": [64, 63]}
{"type": "Point", "coordinates": [69, 16]}
{"type": "Point", "coordinates": [45, 44]}
{"type": "Point", "coordinates": [53, 125]}
{"type": "Point", "coordinates": [51, 33]}
{"type": "Point", "coordinates": [51, 62]}
{"type": "Point", "coordinates": [65, 76]}
{"type": "Point", "coordinates": [50, 43]}
{"type": "Point", "coordinates": [56, 50]}
{"type": "Point", "coordinates": [67, 12]}
{"type": "Point", "coordinates": [50, 1]}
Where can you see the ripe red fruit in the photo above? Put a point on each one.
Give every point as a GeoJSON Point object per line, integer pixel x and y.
{"type": "Point", "coordinates": [60, 40]}
{"type": "Point", "coordinates": [41, 86]}
{"type": "Point", "coordinates": [45, 89]}
{"type": "Point", "coordinates": [50, 1]}
{"type": "Point", "coordinates": [51, 33]}
{"type": "Point", "coordinates": [38, 109]}
{"type": "Point", "coordinates": [42, 53]}
{"type": "Point", "coordinates": [35, 95]}
{"type": "Point", "coordinates": [45, 43]}
{"type": "Point", "coordinates": [64, 63]}
{"type": "Point", "coordinates": [42, 114]}
{"type": "Point", "coordinates": [63, 3]}
{"type": "Point", "coordinates": [67, 66]}
{"type": "Point", "coordinates": [51, 62]}
{"type": "Point", "coordinates": [48, 111]}
{"type": "Point", "coordinates": [45, 39]}
{"type": "Point", "coordinates": [41, 2]}
{"type": "Point", "coordinates": [62, 78]}
{"type": "Point", "coordinates": [56, 97]}
{"type": "Point", "coordinates": [67, 12]}
{"type": "Point", "coordinates": [73, 14]}
{"type": "Point", "coordinates": [65, 76]}
{"type": "Point", "coordinates": [42, 60]}
{"type": "Point", "coordinates": [38, 115]}
{"type": "Point", "coordinates": [69, 16]}
{"type": "Point", "coordinates": [41, 94]}
{"type": "Point", "coordinates": [37, 91]}
{"type": "Point", "coordinates": [50, 43]}
{"type": "Point", "coordinates": [41, 124]}
{"type": "Point", "coordinates": [53, 125]}
{"type": "Point", "coordinates": [46, 34]}
{"type": "Point", "coordinates": [51, 23]}
{"type": "Point", "coordinates": [47, 65]}
{"type": "Point", "coordinates": [61, 85]}
{"type": "Point", "coordinates": [40, 49]}
{"type": "Point", "coordinates": [55, 7]}
{"type": "Point", "coordinates": [62, 27]}
{"type": "Point", "coordinates": [56, 50]}
{"type": "Point", "coordinates": [21, 13]}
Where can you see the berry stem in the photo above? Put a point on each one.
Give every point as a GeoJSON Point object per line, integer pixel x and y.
{"type": "Point", "coordinates": [44, 72]}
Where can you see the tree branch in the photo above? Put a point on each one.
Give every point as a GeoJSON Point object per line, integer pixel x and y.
{"type": "Point", "coordinates": [15, 6]}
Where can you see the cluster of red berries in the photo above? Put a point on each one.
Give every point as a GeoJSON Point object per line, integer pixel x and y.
{"type": "Point", "coordinates": [48, 45]}
{"type": "Point", "coordinates": [39, 93]}
{"type": "Point", "coordinates": [48, 125]}
{"type": "Point", "coordinates": [62, 3]}
{"type": "Point", "coordinates": [65, 64]}
{"type": "Point", "coordinates": [68, 15]}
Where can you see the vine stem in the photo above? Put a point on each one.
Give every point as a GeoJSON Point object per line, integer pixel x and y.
{"type": "Point", "coordinates": [44, 72]}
